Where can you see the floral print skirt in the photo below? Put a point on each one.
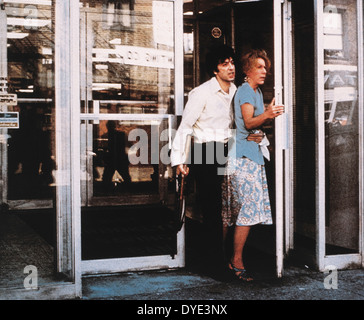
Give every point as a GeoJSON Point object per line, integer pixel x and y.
{"type": "Point", "coordinates": [245, 197]}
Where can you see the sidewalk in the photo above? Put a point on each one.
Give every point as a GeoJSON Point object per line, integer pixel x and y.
{"type": "Point", "coordinates": [296, 284]}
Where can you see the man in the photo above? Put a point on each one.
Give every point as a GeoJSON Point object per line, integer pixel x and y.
{"type": "Point", "coordinates": [208, 118]}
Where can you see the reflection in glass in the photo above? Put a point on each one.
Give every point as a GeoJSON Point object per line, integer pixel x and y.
{"type": "Point", "coordinates": [28, 236]}
{"type": "Point", "coordinates": [119, 165]}
{"type": "Point", "coordinates": [126, 159]}
{"type": "Point", "coordinates": [132, 51]}
{"type": "Point", "coordinates": [305, 125]}
{"type": "Point", "coordinates": [341, 126]}
{"type": "Point", "coordinates": [31, 77]}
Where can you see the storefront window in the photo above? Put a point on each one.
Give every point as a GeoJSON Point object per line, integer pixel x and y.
{"type": "Point", "coordinates": [28, 156]}
{"type": "Point", "coordinates": [127, 161]}
{"type": "Point", "coordinates": [128, 51]}
{"type": "Point", "coordinates": [341, 125]}
{"type": "Point", "coordinates": [127, 56]}
{"type": "Point", "coordinates": [31, 78]}
{"type": "Point", "coordinates": [127, 59]}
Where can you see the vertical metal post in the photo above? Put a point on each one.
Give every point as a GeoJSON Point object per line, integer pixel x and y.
{"type": "Point", "coordinates": [3, 42]}
{"type": "Point", "coordinates": [320, 135]}
{"type": "Point", "coordinates": [67, 104]}
{"type": "Point", "coordinates": [232, 24]}
{"type": "Point", "coordinates": [3, 78]}
{"type": "Point", "coordinates": [179, 103]}
{"type": "Point", "coordinates": [279, 135]}
{"type": "Point", "coordinates": [361, 127]}
{"type": "Point", "coordinates": [196, 44]}
{"type": "Point", "coordinates": [178, 48]}
{"type": "Point", "coordinates": [288, 101]}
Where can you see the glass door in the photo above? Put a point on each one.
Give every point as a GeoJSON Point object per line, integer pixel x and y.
{"type": "Point", "coordinates": [280, 133]}
{"type": "Point", "coordinates": [37, 229]}
{"type": "Point", "coordinates": [328, 133]}
{"type": "Point", "coordinates": [269, 33]}
{"type": "Point", "coordinates": [339, 133]}
{"type": "Point", "coordinates": [129, 99]}
{"type": "Point", "coordinates": [29, 168]}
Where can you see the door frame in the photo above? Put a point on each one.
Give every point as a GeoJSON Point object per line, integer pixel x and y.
{"type": "Point", "coordinates": [278, 134]}
{"type": "Point", "coordinates": [67, 118]}
{"type": "Point", "coordinates": [360, 13]}
{"type": "Point", "coordinates": [283, 89]}
{"type": "Point", "coordinates": [3, 107]}
{"type": "Point", "coordinates": [101, 266]}
{"type": "Point", "coordinates": [288, 80]}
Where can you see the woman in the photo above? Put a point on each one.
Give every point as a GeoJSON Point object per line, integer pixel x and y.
{"type": "Point", "coordinates": [245, 191]}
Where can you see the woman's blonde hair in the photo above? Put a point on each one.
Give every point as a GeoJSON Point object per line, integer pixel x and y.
{"type": "Point", "coordinates": [248, 59]}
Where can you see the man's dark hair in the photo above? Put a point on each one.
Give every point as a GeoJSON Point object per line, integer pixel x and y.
{"type": "Point", "coordinates": [216, 56]}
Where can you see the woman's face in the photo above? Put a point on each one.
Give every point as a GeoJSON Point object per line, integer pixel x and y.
{"type": "Point", "coordinates": [257, 73]}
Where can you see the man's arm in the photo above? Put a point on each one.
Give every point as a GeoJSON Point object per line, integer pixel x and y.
{"type": "Point", "coordinates": [180, 146]}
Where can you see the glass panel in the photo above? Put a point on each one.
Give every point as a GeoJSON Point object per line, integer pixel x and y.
{"type": "Point", "coordinates": [131, 46]}
{"type": "Point", "coordinates": [304, 125]}
{"type": "Point", "coordinates": [31, 78]}
{"type": "Point", "coordinates": [341, 126]}
{"type": "Point", "coordinates": [127, 67]}
{"type": "Point", "coordinates": [128, 162]}
{"type": "Point", "coordinates": [115, 152]}
{"type": "Point", "coordinates": [202, 6]}
{"type": "Point", "coordinates": [128, 231]}
{"type": "Point", "coordinates": [188, 65]}
{"type": "Point", "coordinates": [28, 236]}
{"type": "Point", "coordinates": [128, 165]}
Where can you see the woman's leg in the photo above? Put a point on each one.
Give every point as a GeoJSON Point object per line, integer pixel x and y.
{"type": "Point", "coordinates": [236, 263]}
{"type": "Point", "coordinates": [240, 236]}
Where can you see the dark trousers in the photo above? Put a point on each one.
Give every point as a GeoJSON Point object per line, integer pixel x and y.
{"type": "Point", "coordinates": [208, 164]}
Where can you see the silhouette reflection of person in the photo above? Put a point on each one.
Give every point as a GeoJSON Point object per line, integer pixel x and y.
{"type": "Point", "coordinates": [30, 156]}
{"type": "Point", "coordinates": [116, 158]}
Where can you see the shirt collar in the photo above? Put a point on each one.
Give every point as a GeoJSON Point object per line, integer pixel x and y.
{"type": "Point", "coordinates": [215, 86]}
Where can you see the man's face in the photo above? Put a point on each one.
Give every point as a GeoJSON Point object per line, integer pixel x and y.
{"type": "Point", "coordinates": [226, 70]}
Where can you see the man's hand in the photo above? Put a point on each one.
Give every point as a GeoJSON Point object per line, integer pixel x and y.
{"type": "Point", "coordinates": [183, 169]}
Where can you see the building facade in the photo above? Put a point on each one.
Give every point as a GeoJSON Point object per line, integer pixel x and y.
{"type": "Point", "coordinates": [92, 92]}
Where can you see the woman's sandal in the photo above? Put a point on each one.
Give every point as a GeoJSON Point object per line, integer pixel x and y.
{"type": "Point", "coordinates": [241, 274]}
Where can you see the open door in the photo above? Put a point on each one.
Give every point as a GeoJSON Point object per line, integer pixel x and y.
{"type": "Point", "coordinates": [280, 132]}
{"type": "Point", "coordinates": [272, 35]}
{"type": "Point", "coordinates": [130, 60]}
{"type": "Point", "coordinates": [339, 133]}
{"type": "Point", "coordinates": [328, 133]}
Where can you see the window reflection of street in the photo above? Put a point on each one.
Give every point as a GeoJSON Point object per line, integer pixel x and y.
{"type": "Point", "coordinates": [341, 126]}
